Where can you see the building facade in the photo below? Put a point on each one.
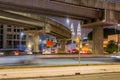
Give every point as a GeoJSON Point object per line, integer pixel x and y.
{"type": "Point", "coordinates": [11, 37]}
{"type": "Point", "coordinates": [114, 37]}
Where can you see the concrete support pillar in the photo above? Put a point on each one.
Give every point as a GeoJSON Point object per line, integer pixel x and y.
{"type": "Point", "coordinates": [29, 41]}
{"type": "Point", "coordinates": [36, 43]}
{"type": "Point", "coordinates": [62, 46]}
{"type": "Point", "coordinates": [5, 37]}
{"type": "Point", "coordinates": [98, 40]}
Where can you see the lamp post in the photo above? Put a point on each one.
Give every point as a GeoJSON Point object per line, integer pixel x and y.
{"type": "Point", "coordinates": [80, 47]}
{"type": "Point", "coordinates": [79, 51]}
{"type": "Point", "coordinates": [78, 40]}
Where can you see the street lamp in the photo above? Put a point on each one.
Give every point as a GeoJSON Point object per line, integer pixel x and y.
{"type": "Point", "coordinates": [67, 22]}
{"type": "Point", "coordinates": [78, 41]}
{"type": "Point", "coordinates": [21, 35]}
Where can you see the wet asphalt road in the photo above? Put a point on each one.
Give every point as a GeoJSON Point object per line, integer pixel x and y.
{"type": "Point", "coordinates": [33, 60]}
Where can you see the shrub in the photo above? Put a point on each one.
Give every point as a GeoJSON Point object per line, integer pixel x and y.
{"type": "Point", "coordinates": [111, 47]}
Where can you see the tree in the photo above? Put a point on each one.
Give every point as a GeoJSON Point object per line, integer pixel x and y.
{"type": "Point", "coordinates": [111, 47]}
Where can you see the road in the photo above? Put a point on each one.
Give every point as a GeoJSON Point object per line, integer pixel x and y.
{"type": "Point", "coordinates": [65, 61]}
{"type": "Point", "coordinates": [104, 76]}
{"type": "Point", "coordinates": [34, 60]}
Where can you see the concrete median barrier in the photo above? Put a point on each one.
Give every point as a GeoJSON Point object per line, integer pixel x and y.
{"type": "Point", "coordinates": [56, 71]}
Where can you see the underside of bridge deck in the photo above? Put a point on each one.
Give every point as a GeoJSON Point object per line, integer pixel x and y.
{"type": "Point", "coordinates": [95, 14]}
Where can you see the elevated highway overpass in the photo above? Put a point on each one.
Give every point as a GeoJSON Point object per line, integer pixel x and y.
{"type": "Point", "coordinates": [94, 13]}
{"type": "Point", "coordinates": [96, 4]}
{"type": "Point", "coordinates": [86, 10]}
{"type": "Point", "coordinates": [35, 26]}
{"type": "Point", "coordinates": [50, 7]}
{"type": "Point", "coordinates": [30, 24]}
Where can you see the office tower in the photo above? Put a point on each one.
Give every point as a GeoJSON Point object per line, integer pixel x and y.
{"type": "Point", "coordinates": [73, 32]}
{"type": "Point", "coordinates": [10, 37]}
{"type": "Point", "coordinates": [79, 31]}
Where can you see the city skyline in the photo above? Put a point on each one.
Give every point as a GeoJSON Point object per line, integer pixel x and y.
{"type": "Point", "coordinates": [68, 22]}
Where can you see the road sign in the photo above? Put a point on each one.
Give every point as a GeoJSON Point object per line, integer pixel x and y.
{"type": "Point", "coordinates": [49, 43]}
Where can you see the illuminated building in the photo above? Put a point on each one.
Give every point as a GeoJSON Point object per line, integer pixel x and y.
{"type": "Point", "coordinates": [78, 31]}
{"type": "Point", "coordinates": [10, 37]}
{"type": "Point", "coordinates": [72, 31]}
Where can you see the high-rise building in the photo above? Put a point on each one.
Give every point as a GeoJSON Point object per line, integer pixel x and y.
{"type": "Point", "coordinates": [79, 31]}
{"type": "Point", "coordinates": [11, 37]}
{"type": "Point", "coordinates": [72, 31]}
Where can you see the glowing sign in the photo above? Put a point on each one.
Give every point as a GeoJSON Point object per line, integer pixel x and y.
{"type": "Point", "coordinates": [49, 43]}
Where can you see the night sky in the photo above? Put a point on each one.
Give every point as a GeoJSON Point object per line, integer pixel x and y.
{"type": "Point", "coordinates": [63, 21]}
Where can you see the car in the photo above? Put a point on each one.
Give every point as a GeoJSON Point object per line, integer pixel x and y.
{"type": "Point", "coordinates": [72, 51]}
{"type": "Point", "coordinates": [8, 52]}
{"type": "Point", "coordinates": [116, 57]}
{"type": "Point", "coordinates": [1, 53]}
{"type": "Point", "coordinates": [46, 51]}
{"type": "Point", "coordinates": [28, 51]}
{"type": "Point", "coordinates": [54, 51]}
{"type": "Point", "coordinates": [75, 51]}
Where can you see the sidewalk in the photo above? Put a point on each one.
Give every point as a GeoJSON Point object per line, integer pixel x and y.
{"type": "Point", "coordinates": [56, 71]}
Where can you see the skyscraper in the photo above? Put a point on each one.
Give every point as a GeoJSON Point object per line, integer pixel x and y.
{"type": "Point", "coordinates": [73, 32]}
{"type": "Point", "coordinates": [78, 31]}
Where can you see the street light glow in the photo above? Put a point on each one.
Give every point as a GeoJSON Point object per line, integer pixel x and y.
{"type": "Point", "coordinates": [118, 24]}
{"type": "Point", "coordinates": [67, 20]}
{"type": "Point", "coordinates": [40, 40]}
{"type": "Point", "coordinates": [21, 34]}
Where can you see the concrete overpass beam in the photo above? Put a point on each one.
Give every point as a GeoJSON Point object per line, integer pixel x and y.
{"type": "Point", "coordinates": [49, 7]}
{"type": "Point", "coordinates": [112, 16]}
{"type": "Point", "coordinates": [98, 40]}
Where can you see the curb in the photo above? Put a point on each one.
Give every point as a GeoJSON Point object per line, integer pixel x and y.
{"type": "Point", "coordinates": [19, 67]}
